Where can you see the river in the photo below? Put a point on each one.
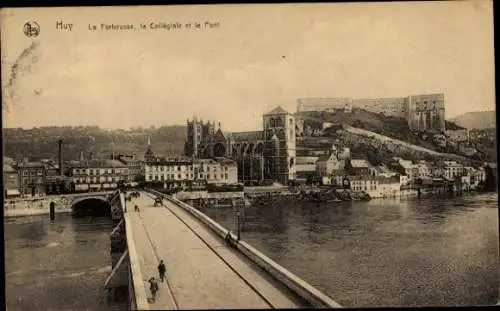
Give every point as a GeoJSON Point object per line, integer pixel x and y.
{"type": "Point", "coordinates": [60, 265]}
{"type": "Point", "coordinates": [363, 254]}
{"type": "Point", "coordinates": [432, 252]}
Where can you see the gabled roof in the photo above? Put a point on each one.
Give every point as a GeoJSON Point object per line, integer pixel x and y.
{"type": "Point", "coordinates": [277, 110]}
{"type": "Point", "coordinates": [219, 136]}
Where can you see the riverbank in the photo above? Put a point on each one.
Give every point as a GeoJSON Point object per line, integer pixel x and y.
{"type": "Point", "coordinates": [21, 212]}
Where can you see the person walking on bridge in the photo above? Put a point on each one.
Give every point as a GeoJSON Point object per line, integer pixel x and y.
{"type": "Point", "coordinates": [161, 270]}
{"type": "Point", "coordinates": [153, 287]}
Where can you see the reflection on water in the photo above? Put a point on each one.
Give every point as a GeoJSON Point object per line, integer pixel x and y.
{"type": "Point", "coordinates": [60, 265]}
{"type": "Point", "coordinates": [384, 252]}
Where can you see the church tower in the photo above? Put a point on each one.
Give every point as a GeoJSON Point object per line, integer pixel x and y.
{"type": "Point", "coordinates": [148, 155]}
{"type": "Point", "coordinates": [279, 132]}
{"type": "Point", "coordinates": [194, 135]}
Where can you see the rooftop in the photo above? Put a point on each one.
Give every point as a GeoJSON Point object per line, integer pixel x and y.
{"type": "Point", "coordinates": [247, 136]}
{"type": "Point", "coordinates": [97, 163]}
{"type": "Point", "coordinates": [31, 165]}
{"type": "Point", "coordinates": [8, 168]}
{"type": "Point", "coordinates": [277, 111]}
{"type": "Point", "coordinates": [359, 163]}
{"type": "Point", "coordinates": [306, 160]}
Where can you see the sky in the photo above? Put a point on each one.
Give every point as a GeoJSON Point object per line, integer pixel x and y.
{"type": "Point", "coordinates": [259, 57]}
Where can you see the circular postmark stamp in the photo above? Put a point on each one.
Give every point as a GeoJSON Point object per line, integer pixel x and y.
{"type": "Point", "coordinates": [31, 29]}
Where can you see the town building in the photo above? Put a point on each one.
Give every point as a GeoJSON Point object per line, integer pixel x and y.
{"type": "Point", "coordinates": [188, 173]}
{"type": "Point", "coordinates": [31, 178]}
{"type": "Point", "coordinates": [461, 135]}
{"type": "Point", "coordinates": [327, 163]}
{"type": "Point", "coordinates": [306, 166]}
{"type": "Point", "coordinates": [358, 167]}
{"type": "Point", "coordinates": [135, 169]}
{"type": "Point", "coordinates": [452, 170]}
{"type": "Point", "coordinates": [338, 177]}
{"type": "Point", "coordinates": [388, 187]}
{"type": "Point", "coordinates": [423, 170]}
{"type": "Point", "coordinates": [382, 170]}
{"type": "Point", "coordinates": [405, 167]}
{"type": "Point", "coordinates": [266, 154]}
{"type": "Point", "coordinates": [10, 180]}
{"type": "Point", "coordinates": [476, 175]}
{"type": "Point", "coordinates": [56, 182]}
{"type": "Point", "coordinates": [364, 183]}
{"type": "Point", "coordinates": [97, 174]}
{"type": "Point", "coordinates": [376, 186]}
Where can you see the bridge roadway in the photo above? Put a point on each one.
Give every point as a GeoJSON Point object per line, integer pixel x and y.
{"type": "Point", "coordinates": [202, 272]}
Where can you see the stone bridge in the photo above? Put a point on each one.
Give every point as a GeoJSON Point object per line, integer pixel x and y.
{"type": "Point", "coordinates": [203, 270]}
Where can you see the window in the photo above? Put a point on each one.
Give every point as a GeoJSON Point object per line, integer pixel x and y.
{"type": "Point", "coordinates": [179, 176]}
{"type": "Point", "coordinates": [208, 176]}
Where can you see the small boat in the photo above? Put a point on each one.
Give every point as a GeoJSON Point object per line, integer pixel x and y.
{"type": "Point", "coordinates": [336, 200]}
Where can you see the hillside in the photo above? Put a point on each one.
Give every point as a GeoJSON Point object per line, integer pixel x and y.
{"type": "Point", "coordinates": [40, 143]}
{"type": "Point", "coordinates": [477, 120]}
{"type": "Point", "coordinates": [389, 126]}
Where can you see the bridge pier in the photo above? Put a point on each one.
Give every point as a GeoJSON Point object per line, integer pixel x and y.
{"type": "Point", "coordinates": [117, 282]}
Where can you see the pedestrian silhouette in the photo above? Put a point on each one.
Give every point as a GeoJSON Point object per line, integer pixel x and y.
{"type": "Point", "coordinates": [161, 270]}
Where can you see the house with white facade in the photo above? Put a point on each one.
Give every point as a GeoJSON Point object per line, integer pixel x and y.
{"type": "Point", "coordinates": [452, 169]}
{"type": "Point", "coordinates": [326, 164]}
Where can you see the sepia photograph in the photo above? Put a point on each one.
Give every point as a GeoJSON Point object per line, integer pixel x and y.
{"type": "Point", "coordinates": [250, 156]}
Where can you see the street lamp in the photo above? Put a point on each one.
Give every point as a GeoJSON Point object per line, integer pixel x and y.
{"type": "Point", "coordinates": [238, 215]}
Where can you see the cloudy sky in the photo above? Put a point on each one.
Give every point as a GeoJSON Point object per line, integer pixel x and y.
{"type": "Point", "coordinates": [259, 57]}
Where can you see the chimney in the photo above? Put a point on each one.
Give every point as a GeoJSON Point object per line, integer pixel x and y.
{"type": "Point", "coordinates": [60, 158]}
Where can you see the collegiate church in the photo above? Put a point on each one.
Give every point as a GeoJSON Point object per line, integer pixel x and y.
{"type": "Point", "coordinates": [266, 154]}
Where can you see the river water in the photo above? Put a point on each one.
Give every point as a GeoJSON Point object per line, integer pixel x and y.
{"type": "Point", "coordinates": [382, 253]}
{"type": "Point", "coordinates": [362, 254]}
{"type": "Point", "coordinates": [60, 265]}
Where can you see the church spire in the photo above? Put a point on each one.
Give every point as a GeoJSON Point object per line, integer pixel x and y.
{"type": "Point", "coordinates": [149, 140]}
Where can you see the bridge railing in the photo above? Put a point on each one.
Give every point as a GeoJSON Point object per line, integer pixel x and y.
{"type": "Point", "coordinates": [293, 282]}
{"type": "Point", "coordinates": [137, 291]}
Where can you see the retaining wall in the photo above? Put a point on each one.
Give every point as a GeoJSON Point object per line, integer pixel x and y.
{"type": "Point", "coordinates": [299, 286]}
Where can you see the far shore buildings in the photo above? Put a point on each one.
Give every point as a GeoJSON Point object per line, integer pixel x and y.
{"type": "Point", "coordinates": [422, 112]}
{"type": "Point", "coordinates": [190, 173]}
{"type": "Point", "coordinates": [97, 174]}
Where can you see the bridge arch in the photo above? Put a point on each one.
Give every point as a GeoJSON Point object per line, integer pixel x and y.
{"type": "Point", "coordinates": [91, 206]}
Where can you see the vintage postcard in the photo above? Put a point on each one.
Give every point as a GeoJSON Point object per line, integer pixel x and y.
{"type": "Point", "coordinates": [250, 156]}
